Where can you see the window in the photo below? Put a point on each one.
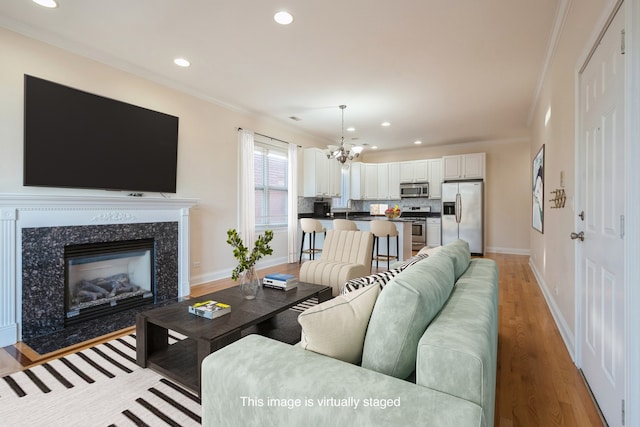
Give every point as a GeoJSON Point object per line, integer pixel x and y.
{"type": "Point", "coordinates": [271, 178]}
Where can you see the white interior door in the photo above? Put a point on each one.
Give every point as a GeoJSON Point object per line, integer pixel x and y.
{"type": "Point", "coordinates": [601, 255]}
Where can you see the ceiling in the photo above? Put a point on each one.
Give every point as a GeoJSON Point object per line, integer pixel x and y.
{"type": "Point", "coordinates": [440, 72]}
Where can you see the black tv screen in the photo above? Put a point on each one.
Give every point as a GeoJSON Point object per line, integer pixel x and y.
{"type": "Point", "coordinates": [76, 139]}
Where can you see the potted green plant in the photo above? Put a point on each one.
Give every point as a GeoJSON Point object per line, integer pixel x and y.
{"type": "Point", "coordinates": [245, 270]}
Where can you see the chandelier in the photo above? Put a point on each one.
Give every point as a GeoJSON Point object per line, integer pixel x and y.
{"type": "Point", "coordinates": [343, 152]}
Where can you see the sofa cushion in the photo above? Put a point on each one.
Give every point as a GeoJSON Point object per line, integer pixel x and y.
{"type": "Point", "coordinates": [336, 328]}
{"type": "Point", "coordinates": [381, 279]}
{"type": "Point", "coordinates": [463, 340]}
{"type": "Point", "coordinates": [402, 313]}
{"type": "Point", "coordinates": [458, 250]}
{"type": "Point", "coordinates": [480, 269]}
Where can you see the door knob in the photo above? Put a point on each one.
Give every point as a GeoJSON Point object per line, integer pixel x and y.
{"type": "Point", "coordinates": [579, 235]}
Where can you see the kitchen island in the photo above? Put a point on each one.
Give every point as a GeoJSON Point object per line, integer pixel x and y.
{"type": "Point", "coordinates": [363, 222]}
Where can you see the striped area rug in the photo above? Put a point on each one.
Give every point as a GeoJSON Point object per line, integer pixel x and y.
{"type": "Point", "coordinates": [99, 386]}
{"type": "Point", "coordinates": [305, 304]}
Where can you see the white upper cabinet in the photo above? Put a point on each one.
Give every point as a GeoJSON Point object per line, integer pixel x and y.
{"type": "Point", "coordinates": [414, 171]}
{"type": "Point", "coordinates": [356, 181]}
{"type": "Point", "coordinates": [474, 166]}
{"type": "Point", "coordinates": [394, 181]}
{"type": "Point", "coordinates": [383, 181]}
{"type": "Point", "coordinates": [370, 181]}
{"type": "Point", "coordinates": [335, 178]}
{"type": "Point", "coordinates": [452, 167]}
{"type": "Point", "coordinates": [321, 177]}
{"type": "Point", "coordinates": [435, 178]}
{"type": "Point", "coordinates": [375, 181]}
{"type": "Point", "coordinates": [465, 166]}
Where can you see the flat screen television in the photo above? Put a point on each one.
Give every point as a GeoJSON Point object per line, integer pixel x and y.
{"type": "Point", "coordinates": [76, 139]}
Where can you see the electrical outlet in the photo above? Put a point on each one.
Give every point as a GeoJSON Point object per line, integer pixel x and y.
{"type": "Point", "coordinates": [196, 264]}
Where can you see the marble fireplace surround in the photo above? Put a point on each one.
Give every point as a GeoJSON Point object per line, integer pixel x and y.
{"type": "Point", "coordinates": [135, 215]}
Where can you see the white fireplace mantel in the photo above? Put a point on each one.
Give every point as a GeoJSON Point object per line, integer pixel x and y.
{"type": "Point", "coordinates": [18, 211]}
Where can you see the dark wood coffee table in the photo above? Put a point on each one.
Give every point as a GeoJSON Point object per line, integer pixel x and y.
{"type": "Point", "coordinates": [182, 360]}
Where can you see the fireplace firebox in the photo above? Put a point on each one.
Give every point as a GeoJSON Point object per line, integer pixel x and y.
{"type": "Point", "coordinates": [107, 277]}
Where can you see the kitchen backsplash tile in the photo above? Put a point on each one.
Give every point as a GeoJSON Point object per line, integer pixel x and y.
{"type": "Point", "coordinates": [305, 204]}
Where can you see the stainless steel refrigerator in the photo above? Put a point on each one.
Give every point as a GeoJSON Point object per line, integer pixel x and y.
{"type": "Point", "coordinates": [463, 214]}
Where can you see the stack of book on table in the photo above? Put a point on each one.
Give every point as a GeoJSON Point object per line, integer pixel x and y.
{"type": "Point", "coordinates": [280, 281]}
{"type": "Point", "coordinates": [209, 309]}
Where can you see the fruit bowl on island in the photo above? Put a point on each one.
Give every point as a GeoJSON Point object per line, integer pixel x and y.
{"type": "Point", "coordinates": [392, 213]}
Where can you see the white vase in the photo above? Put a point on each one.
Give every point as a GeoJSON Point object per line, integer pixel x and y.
{"type": "Point", "coordinates": [250, 283]}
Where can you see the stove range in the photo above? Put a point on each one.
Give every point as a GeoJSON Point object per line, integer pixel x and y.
{"type": "Point", "coordinates": [418, 216]}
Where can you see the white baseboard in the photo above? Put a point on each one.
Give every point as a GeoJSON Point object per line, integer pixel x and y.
{"type": "Point", "coordinates": [512, 251]}
{"type": "Point", "coordinates": [8, 334]}
{"type": "Point", "coordinates": [565, 331]}
{"type": "Point", "coordinates": [201, 279]}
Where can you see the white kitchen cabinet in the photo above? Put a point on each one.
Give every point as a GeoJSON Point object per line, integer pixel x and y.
{"type": "Point", "coordinates": [364, 181]}
{"type": "Point", "coordinates": [356, 181]}
{"type": "Point", "coordinates": [414, 171]}
{"type": "Point", "coordinates": [394, 181]}
{"type": "Point", "coordinates": [433, 232]}
{"type": "Point", "coordinates": [321, 177]}
{"type": "Point", "coordinates": [335, 178]}
{"type": "Point", "coordinates": [379, 181]}
{"type": "Point", "coordinates": [383, 181]}
{"type": "Point", "coordinates": [465, 166]}
{"type": "Point", "coordinates": [435, 178]}
{"type": "Point", "coordinates": [370, 181]}
{"type": "Point", "coordinates": [474, 166]}
{"type": "Point", "coordinates": [388, 181]}
{"type": "Point", "coordinates": [452, 167]}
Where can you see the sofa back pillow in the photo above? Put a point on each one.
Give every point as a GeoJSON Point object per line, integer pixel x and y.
{"type": "Point", "coordinates": [336, 328]}
{"type": "Point", "coordinates": [403, 312]}
{"type": "Point", "coordinates": [459, 252]}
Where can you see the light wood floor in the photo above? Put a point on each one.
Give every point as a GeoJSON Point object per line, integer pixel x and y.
{"type": "Point", "coordinates": [537, 383]}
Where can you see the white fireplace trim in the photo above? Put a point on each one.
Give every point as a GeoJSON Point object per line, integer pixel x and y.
{"type": "Point", "coordinates": [19, 211]}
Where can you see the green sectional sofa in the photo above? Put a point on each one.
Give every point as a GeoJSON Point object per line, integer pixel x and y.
{"type": "Point", "coordinates": [429, 355]}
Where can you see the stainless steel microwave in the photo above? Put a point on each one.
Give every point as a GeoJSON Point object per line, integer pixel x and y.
{"type": "Point", "coordinates": [418, 189]}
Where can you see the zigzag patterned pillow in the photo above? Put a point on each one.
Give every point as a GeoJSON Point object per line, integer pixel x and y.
{"type": "Point", "coordinates": [380, 279]}
{"type": "Point", "coordinates": [401, 265]}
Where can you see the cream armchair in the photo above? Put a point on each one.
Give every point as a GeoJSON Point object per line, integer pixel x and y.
{"type": "Point", "coordinates": [345, 256]}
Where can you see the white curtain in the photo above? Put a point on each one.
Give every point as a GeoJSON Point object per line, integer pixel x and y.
{"type": "Point", "coordinates": [246, 210]}
{"type": "Point", "coordinates": [293, 204]}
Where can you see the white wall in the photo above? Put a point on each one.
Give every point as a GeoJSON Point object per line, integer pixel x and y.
{"type": "Point", "coordinates": [207, 154]}
{"type": "Point", "coordinates": [552, 253]}
{"type": "Point", "coordinates": [507, 189]}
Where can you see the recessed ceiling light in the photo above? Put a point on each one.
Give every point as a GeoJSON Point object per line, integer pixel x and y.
{"type": "Point", "coordinates": [351, 129]}
{"type": "Point", "coordinates": [47, 3]}
{"type": "Point", "coordinates": [374, 147]}
{"type": "Point", "coordinates": [181, 62]}
{"type": "Point", "coordinates": [385, 124]}
{"type": "Point", "coordinates": [417, 142]}
{"type": "Point", "coordinates": [283, 18]}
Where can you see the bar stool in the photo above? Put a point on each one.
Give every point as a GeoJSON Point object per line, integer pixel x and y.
{"type": "Point", "coordinates": [382, 228]}
{"type": "Point", "coordinates": [344, 224]}
{"type": "Point", "coordinates": [310, 226]}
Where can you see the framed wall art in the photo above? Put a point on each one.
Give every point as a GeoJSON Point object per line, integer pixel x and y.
{"type": "Point", "coordinates": [537, 190]}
